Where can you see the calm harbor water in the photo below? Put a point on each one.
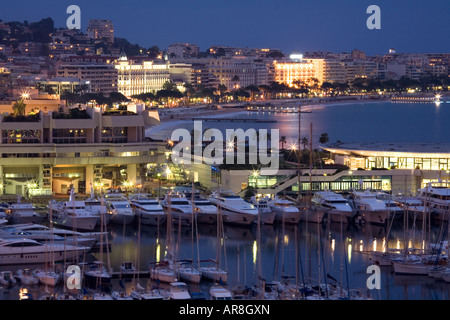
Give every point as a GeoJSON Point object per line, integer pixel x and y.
{"type": "Point", "coordinates": [304, 253]}
{"type": "Point", "coordinates": [385, 122]}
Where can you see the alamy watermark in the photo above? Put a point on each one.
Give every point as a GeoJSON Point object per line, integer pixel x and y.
{"type": "Point", "coordinates": [74, 277]}
{"type": "Point", "coordinates": [263, 147]}
{"type": "Point", "coordinates": [74, 21]}
{"type": "Point", "coordinates": [374, 280]}
{"type": "Point", "coordinates": [374, 21]}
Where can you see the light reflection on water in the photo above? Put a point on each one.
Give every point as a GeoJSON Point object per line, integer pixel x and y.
{"type": "Point", "coordinates": [303, 253]}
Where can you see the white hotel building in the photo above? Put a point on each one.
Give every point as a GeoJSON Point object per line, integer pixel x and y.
{"type": "Point", "coordinates": [140, 77]}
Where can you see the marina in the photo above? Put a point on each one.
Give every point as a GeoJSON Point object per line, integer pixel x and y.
{"type": "Point", "coordinates": [292, 254]}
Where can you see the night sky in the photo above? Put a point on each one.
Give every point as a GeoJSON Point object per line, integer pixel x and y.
{"type": "Point", "coordinates": [289, 25]}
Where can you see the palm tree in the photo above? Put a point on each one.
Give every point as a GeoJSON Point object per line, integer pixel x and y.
{"type": "Point", "coordinates": [324, 138]}
{"type": "Point", "coordinates": [253, 91]}
{"type": "Point", "coordinates": [283, 141]}
{"type": "Point", "coordinates": [19, 108]}
{"type": "Point", "coordinates": [305, 142]}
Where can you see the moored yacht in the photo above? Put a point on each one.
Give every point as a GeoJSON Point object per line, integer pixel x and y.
{"type": "Point", "coordinates": [395, 211]}
{"type": "Point", "coordinates": [337, 207]}
{"type": "Point", "coordinates": [412, 207]}
{"type": "Point", "coordinates": [28, 251]}
{"type": "Point", "coordinates": [266, 214]}
{"type": "Point", "coordinates": [285, 211]}
{"type": "Point", "coordinates": [119, 207]}
{"type": "Point", "coordinates": [206, 211]}
{"type": "Point", "coordinates": [233, 208]}
{"type": "Point", "coordinates": [179, 209]}
{"type": "Point", "coordinates": [437, 198]}
{"type": "Point", "coordinates": [99, 209]}
{"type": "Point", "coordinates": [371, 209]}
{"type": "Point", "coordinates": [147, 209]}
{"type": "Point", "coordinates": [72, 214]}
{"type": "Point", "coordinates": [22, 212]}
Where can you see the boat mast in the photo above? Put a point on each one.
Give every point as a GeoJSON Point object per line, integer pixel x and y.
{"type": "Point", "coordinates": [310, 164]}
{"type": "Point", "coordinates": [299, 174]}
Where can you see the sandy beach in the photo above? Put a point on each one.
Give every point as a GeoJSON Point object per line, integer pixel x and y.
{"type": "Point", "coordinates": [186, 113]}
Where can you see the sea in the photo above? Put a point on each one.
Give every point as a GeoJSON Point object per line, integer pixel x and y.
{"type": "Point", "coordinates": [310, 253]}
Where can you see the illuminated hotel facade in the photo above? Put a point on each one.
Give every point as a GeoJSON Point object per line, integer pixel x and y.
{"type": "Point", "coordinates": [288, 72]}
{"type": "Point", "coordinates": [136, 78]}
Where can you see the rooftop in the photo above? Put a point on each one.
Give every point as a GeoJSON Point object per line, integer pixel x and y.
{"type": "Point", "coordinates": [390, 149]}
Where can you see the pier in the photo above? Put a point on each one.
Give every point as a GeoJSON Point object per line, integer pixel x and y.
{"type": "Point", "coordinates": [276, 109]}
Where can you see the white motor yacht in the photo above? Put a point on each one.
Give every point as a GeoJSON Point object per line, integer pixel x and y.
{"type": "Point", "coordinates": [233, 208]}
{"type": "Point", "coordinates": [337, 207]}
{"type": "Point", "coordinates": [217, 292]}
{"type": "Point", "coordinates": [394, 209]}
{"type": "Point", "coordinates": [147, 209]}
{"type": "Point", "coordinates": [266, 214]}
{"type": "Point", "coordinates": [371, 209]}
{"type": "Point", "coordinates": [72, 214]}
{"type": "Point", "coordinates": [412, 207]}
{"type": "Point", "coordinates": [28, 251]}
{"type": "Point", "coordinates": [437, 198]}
{"type": "Point", "coordinates": [179, 291]}
{"type": "Point", "coordinates": [286, 211]}
{"type": "Point", "coordinates": [179, 208]}
{"type": "Point", "coordinates": [206, 211]}
{"type": "Point", "coordinates": [98, 208]}
{"type": "Point", "coordinates": [22, 212]}
{"type": "Point", "coordinates": [120, 208]}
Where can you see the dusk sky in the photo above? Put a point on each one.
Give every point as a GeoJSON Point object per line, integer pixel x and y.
{"type": "Point", "coordinates": [289, 25]}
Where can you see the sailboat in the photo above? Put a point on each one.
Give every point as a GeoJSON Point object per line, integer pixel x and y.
{"type": "Point", "coordinates": [141, 293]}
{"type": "Point", "coordinates": [164, 271]}
{"type": "Point", "coordinates": [416, 263]}
{"type": "Point", "coordinates": [49, 277]}
{"type": "Point", "coordinates": [213, 271]}
{"type": "Point", "coordinates": [186, 270]}
{"type": "Point", "coordinates": [98, 276]}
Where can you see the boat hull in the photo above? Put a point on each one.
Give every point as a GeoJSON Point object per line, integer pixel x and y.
{"type": "Point", "coordinates": [152, 219]}
{"type": "Point", "coordinates": [214, 274]}
{"type": "Point", "coordinates": [34, 219]}
{"type": "Point", "coordinates": [24, 257]}
{"type": "Point", "coordinates": [82, 223]}
{"type": "Point", "coordinates": [288, 217]}
{"type": "Point", "coordinates": [339, 216]}
{"type": "Point", "coordinates": [163, 274]}
{"type": "Point", "coordinates": [207, 218]}
{"type": "Point", "coordinates": [267, 217]}
{"type": "Point", "coordinates": [375, 217]}
{"type": "Point", "coordinates": [189, 274]}
{"type": "Point", "coordinates": [243, 219]}
{"type": "Point", "coordinates": [410, 268]}
{"type": "Point", "coordinates": [122, 218]}
{"type": "Point", "coordinates": [312, 215]}
{"type": "Point", "coordinates": [96, 279]}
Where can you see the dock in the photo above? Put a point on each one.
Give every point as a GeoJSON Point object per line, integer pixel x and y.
{"type": "Point", "coordinates": [274, 109]}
